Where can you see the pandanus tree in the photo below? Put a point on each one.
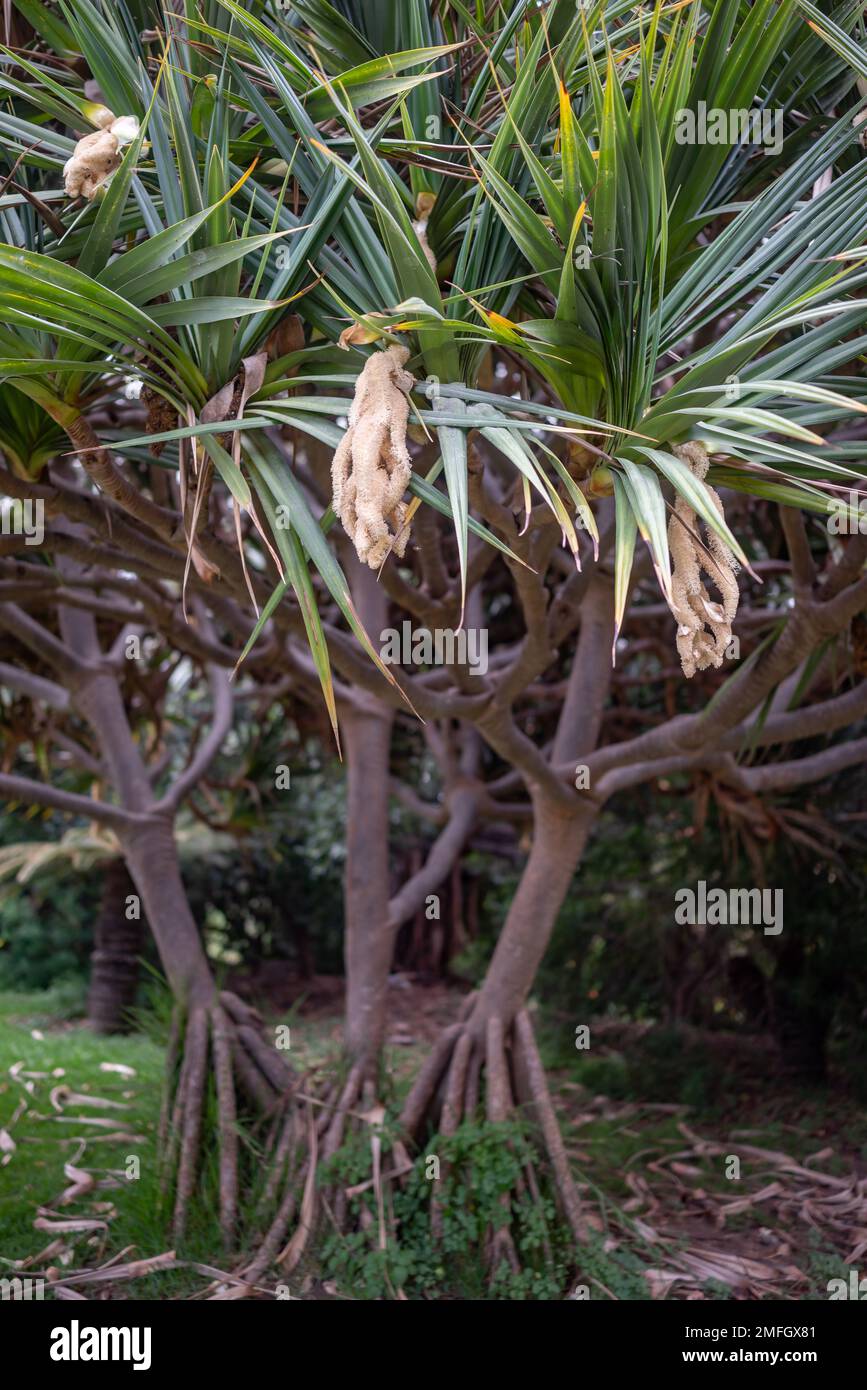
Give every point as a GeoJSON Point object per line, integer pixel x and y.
{"type": "Point", "coordinates": [685, 321]}
{"type": "Point", "coordinates": [692, 337]}
{"type": "Point", "coordinates": [84, 679]}
{"type": "Point", "coordinates": [63, 329]}
{"type": "Point", "coordinates": [120, 294]}
{"type": "Point", "coordinates": [163, 314]}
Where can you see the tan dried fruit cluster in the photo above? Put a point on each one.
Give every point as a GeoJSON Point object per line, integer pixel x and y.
{"type": "Point", "coordinates": [695, 611]}
{"type": "Point", "coordinates": [96, 156]}
{"type": "Point", "coordinates": [371, 467]}
{"type": "Point", "coordinates": [424, 204]}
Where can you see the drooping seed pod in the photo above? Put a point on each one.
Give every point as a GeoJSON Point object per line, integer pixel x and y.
{"type": "Point", "coordinates": [371, 467]}
{"type": "Point", "coordinates": [704, 627]}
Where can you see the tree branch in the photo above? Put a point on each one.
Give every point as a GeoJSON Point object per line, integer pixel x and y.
{"type": "Point", "coordinates": [34, 687]}
{"type": "Point", "coordinates": [38, 794]}
{"type": "Point", "coordinates": [786, 776]}
{"type": "Point", "coordinates": [463, 803]}
{"type": "Point", "coordinates": [223, 706]}
{"type": "Point", "coordinates": [40, 641]}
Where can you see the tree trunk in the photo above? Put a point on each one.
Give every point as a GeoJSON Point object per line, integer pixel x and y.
{"type": "Point", "coordinates": [559, 833]}
{"type": "Point", "coordinates": [118, 943]}
{"type": "Point", "coordinates": [149, 846]}
{"type": "Point", "coordinates": [369, 940]}
{"type": "Point", "coordinates": [152, 858]}
{"type": "Point", "coordinates": [802, 1037]}
{"type": "Point", "coordinates": [558, 843]}
{"type": "Point", "coordinates": [802, 1014]}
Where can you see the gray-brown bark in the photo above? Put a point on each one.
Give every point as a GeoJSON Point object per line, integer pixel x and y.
{"type": "Point", "coordinates": [152, 857]}
{"type": "Point", "coordinates": [369, 935]}
{"type": "Point", "coordinates": [560, 830]}
{"type": "Point", "coordinates": [558, 843]}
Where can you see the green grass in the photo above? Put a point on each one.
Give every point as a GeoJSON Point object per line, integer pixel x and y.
{"type": "Point", "coordinates": [31, 1033]}
{"type": "Point", "coordinates": [33, 1178]}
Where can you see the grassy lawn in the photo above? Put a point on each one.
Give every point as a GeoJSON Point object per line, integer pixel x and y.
{"type": "Point", "coordinates": [55, 1054]}
{"type": "Point", "coordinates": [49, 1054]}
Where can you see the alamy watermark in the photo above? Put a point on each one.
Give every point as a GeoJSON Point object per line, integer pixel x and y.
{"type": "Point", "coordinates": [855, 1288]}
{"type": "Point", "coordinates": [77, 1343]}
{"type": "Point", "coordinates": [715, 125]}
{"type": "Point", "coordinates": [19, 1290]}
{"type": "Point", "coordinates": [848, 518]}
{"type": "Point", "coordinates": [438, 647]}
{"type": "Point", "coordinates": [730, 907]}
{"type": "Point", "coordinates": [23, 518]}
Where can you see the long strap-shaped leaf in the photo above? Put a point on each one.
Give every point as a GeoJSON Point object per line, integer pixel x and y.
{"type": "Point", "coordinates": [453, 444]}
{"type": "Point", "coordinates": [624, 549]}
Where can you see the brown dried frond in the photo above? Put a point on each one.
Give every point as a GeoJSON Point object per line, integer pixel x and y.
{"type": "Point", "coordinates": [287, 337]}
{"type": "Point", "coordinates": [371, 468]}
{"type": "Point", "coordinates": [361, 334]}
{"type": "Point", "coordinates": [704, 627]}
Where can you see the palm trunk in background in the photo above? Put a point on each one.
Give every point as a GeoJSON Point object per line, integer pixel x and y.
{"type": "Point", "coordinates": [118, 941]}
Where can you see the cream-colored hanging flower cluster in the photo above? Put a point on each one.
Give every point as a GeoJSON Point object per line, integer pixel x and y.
{"type": "Point", "coordinates": [704, 627]}
{"type": "Point", "coordinates": [371, 468]}
{"type": "Point", "coordinates": [96, 156]}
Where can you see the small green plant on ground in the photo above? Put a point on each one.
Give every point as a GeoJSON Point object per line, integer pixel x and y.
{"type": "Point", "coordinates": [466, 1186]}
